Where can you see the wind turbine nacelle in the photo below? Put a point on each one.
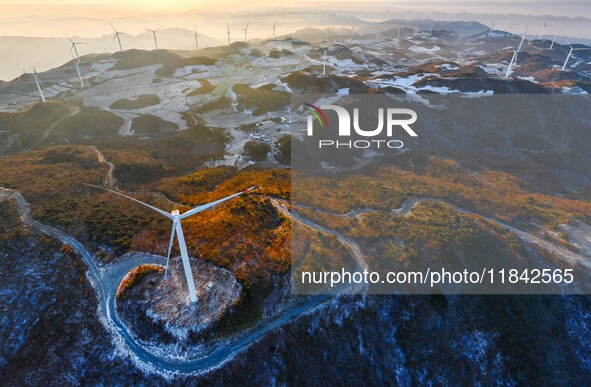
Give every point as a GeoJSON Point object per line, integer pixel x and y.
{"type": "Point", "coordinates": [176, 213]}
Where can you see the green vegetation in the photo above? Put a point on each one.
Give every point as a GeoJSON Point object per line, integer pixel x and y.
{"type": "Point", "coordinates": [163, 155]}
{"type": "Point", "coordinates": [170, 61]}
{"type": "Point", "coordinates": [206, 87]}
{"type": "Point", "coordinates": [306, 83]}
{"type": "Point", "coordinates": [30, 122]}
{"type": "Point", "coordinates": [150, 124]}
{"type": "Point", "coordinates": [88, 123]}
{"type": "Point", "coordinates": [217, 104]}
{"type": "Point", "coordinates": [135, 276]}
{"type": "Point", "coordinates": [256, 150]}
{"type": "Point", "coordinates": [283, 154]}
{"type": "Point", "coordinates": [139, 102]}
{"type": "Point", "coordinates": [261, 100]}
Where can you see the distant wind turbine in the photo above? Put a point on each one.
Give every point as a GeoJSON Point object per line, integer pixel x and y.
{"type": "Point", "coordinates": [398, 38]}
{"type": "Point", "coordinates": [555, 36]}
{"type": "Point", "coordinates": [491, 29]}
{"type": "Point", "coordinates": [570, 53]}
{"type": "Point", "coordinates": [324, 64]}
{"type": "Point", "coordinates": [327, 31]}
{"type": "Point", "coordinates": [117, 33]}
{"type": "Point", "coordinates": [196, 39]}
{"type": "Point", "coordinates": [38, 83]}
{"type": "Point", "coordinates": [73, 47]}
{"type": "Point", "coordinates": [274, 26]}
{"type": "Point", "coordinates": [512, 29]}
{"type": "Point", "coordinates": [228, 33]}
{"type": "Point", "coordinates": [245, 29]}
{"type": "Point", "coordinates": [378, 34]}
{"type": "Point", "coordinates": [154, 33]}
{"type": "Point", "coordinates": [176, 217]}
{"type": "Point", "coordinates": [352, 31]}
{"type": "Point", "coordinates": [521, 43]}
{"type": "Point", "coordinates": [543, 31]}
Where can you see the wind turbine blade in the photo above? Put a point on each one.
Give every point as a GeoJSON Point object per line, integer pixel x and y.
{"type": "Point", "coordinates": [114, 37]}
{"type": "Point", "coordinates": [164, 213]}
{"type": "Point", "coordinates": [169, 250]}
{"type": "Point", "coordinates": [212, 204]}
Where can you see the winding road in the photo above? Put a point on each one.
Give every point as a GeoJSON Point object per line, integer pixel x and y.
{"type": "Point", "coordinates": [106, 280]}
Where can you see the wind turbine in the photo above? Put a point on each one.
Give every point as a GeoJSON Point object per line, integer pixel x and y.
{"type": "Point", "coordinates": [154, 33]}
{"type": "Point", "coordinates": [521, 43]}
{"type": "Point", "coordinates": [491, 29]}
{"type": "Point", "coordinates": [378, 34]}
{"type": "Point", "coordinates": [543, 31]}
{"type": "Point", "coordinates": [324, 64]}
{"type": "Point", "coordinates": [228, 33]}
{"type": "Point", "coordinates": [196, 39]}
{"type": "Point", "coordinates": [78, 71]}
{"type": "Point", "coordinates": [245, 29]}
{"type": "Point", "coordinates": [513, 58]}
{"type": "Point", "coordinates": [572, 49]}
{"type": "Point", "coordinates": [555, 36]}
{"type": "Point", "coordinates": [38, 83]}
{"type": "Point", "coordinates": [117, 33]}
{"type": "Point", "coordinates": [327, 31]}
{"type": "Point", "coordinates": [511, 28]}
{"type": "Point", "coordinates": [73, 47]}
{"type": "Point", "coordinates": [274, 26]}
{"type": "Point", "coordinates": [352, 31]}
{"type": "Point", "coordinates": [176, 217]}
{"type": "Point", "coordinates": [398, 38]}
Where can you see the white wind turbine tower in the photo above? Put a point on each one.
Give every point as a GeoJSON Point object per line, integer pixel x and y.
{"type": "Point", "coordinates": [512, 29]}
{"type": "Point", "coordinates": [352, 31]}
{"type": "Point", "coordinates": [520, 44]}
{"type": "Point", "coordinates": [154, 33]}
{"type": "Point", "coordinates": [245, 29]}
{"type": "Point", "coordinates": [228, 33]}
{"type": "Point", "coordinates": [398, 38]}
{"type": "Point", "coordinates": [38, 83]}
{"type": "Point", "coordinates": [327, 31]}
{"type": "Point", "coordinates": [378, 34]}
{"type": "Point", "coordinates": [76, 64]}
{"type": "Point", "coordinates": [117, 33]}
{"type": "Point", "coordinates": [511, 64]}
{"type": "Point", "coordinates": [274, 26]}
{"type": "Point", "coordinates": [324, 64]}
{"type": "Point", "coordinates": [570, 53]}
{"type": "Point", "coordinates": [73, 47]}
{"type": "Point", "coordinates": [196, 39]}
{"type": "Point", "coordinates": [543, 31]}
{"type": "Point", "coordinates": [177, 230]}
{"type": "Point", "coordinates": [491, 29]}
{"type": "Point", "coordinates": [555, 36]}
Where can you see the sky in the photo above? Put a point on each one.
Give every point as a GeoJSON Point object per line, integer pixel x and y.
{"type": "Point", "coordinates": [110, 8]}
{"type": "Point", "coordinates": [54, 18]}
{"type": "Point", "coordinates": [49, 20]}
